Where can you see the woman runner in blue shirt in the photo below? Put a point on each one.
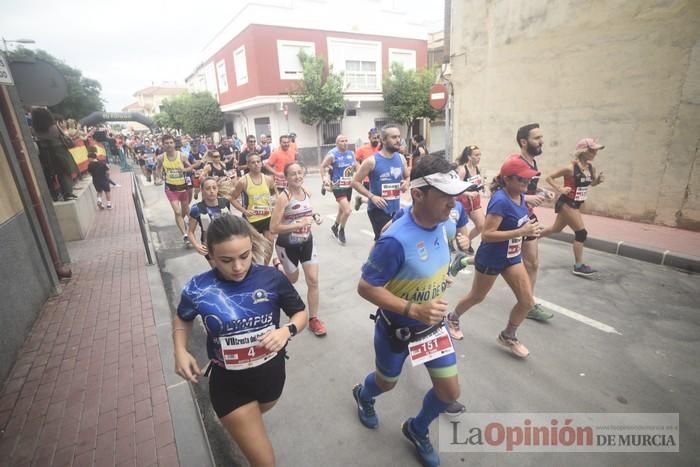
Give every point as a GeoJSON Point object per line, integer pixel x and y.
{"type": "Point", "coordinates": [499, 252]}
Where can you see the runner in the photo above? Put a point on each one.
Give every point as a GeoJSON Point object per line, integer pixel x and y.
{"type": "Point", "coordinates": [258, 190]}
{"type": "Point", "coordinates": [468, 170]}
{"type": "Point", "coordinates": [176, 166]}
{"type": "Point", "coordinates": [388, 177]}
{"type": "Point", "coordinates": [362, 153]}
{"type": "Point", "coordinates": [573, 195]}
{"type": "Point", "coordinates": [197, 161]}
{"type": "Point", "coordinates": [239, 303]}
{"type": "Point", "coordinates": [99, 170]}
{"type": "Point", "coordinates": [530, 140]}
{"type": "Point", "coordinates": [340, 161]}
{"type": "Point", "coordinates": [278, 160]}
{"type": "Point", "coordinates": [419, 149]}
{"type": "Point", "coordinates": [499, 253]}
{"type": "Point", "coordinates": [250, 148]}
{"type": "Point", "coordinates": [291, 221]}
{"type": "Point", "coordinates": [203, 213]}
{"type": "Point", "coordinates": [214, 166]}
{"type": "Point", "coordinates": [405, 276]}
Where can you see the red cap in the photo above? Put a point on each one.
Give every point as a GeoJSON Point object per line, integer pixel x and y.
{"type": "Point", "coordinates": [588, 143]}
{"type": "Point", "coordinates": [516, 166]}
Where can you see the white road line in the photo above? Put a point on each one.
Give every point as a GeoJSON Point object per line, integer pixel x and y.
{"type": "Point", "coordinates": [578, 317]}
{"type": "Point", "coordinates": [367, 232]}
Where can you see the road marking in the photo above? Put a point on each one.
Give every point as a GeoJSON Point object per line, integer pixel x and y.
{"type": "Point", "coordinates": [578, 317]}
{"type": "Point", "coordinates": [367, 232]}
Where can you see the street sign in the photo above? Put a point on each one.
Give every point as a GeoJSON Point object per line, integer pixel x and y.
{"type": "Point", "coordinates": [438, 96]}
{"type": "Point", "coordinates": [5, 75]}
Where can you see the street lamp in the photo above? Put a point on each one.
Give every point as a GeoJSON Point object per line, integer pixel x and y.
{"type": "Point", "coordinates": [16, 41]}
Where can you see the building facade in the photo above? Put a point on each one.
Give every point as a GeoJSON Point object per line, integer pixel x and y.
{"type": "Point", "coordinates": [625, 73]}
{"type": "Point", "coordinates": [252, 67]}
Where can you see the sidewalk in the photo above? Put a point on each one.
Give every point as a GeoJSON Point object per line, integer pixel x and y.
{"type": "Point", "coordinates": [88, 386]}
{"type": "Point", "coordinates": [646, 242]}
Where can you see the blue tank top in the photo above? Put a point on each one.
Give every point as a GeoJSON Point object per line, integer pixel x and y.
{"type": "Point", "coordinates": [343, 165]}
{"type": "Point", "coordinates": [502, 254]}
{"type": "Point", "coordinates": [385, 181]}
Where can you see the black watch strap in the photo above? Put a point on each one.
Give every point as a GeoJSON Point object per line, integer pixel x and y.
{"type": "Point", "coordinates": [292, 329]}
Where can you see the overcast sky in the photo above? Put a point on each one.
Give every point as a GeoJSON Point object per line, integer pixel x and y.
{"type": "Point", "coordinates": [128, 44]}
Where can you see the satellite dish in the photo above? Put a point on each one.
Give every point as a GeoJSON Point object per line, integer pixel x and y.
{"type": "Point", "coordinates": [38, 83]}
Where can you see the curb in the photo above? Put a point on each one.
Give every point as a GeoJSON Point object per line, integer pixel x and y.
{"type": "Point", "coordinates": [191, 440]}
{"type": "Point", "coordinates": [642, 253]}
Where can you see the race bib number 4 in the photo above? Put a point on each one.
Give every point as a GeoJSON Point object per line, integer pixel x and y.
{"type": "Point", "coordinates": [515, 245]}
{"type": "Point", "coordinates": [434, 345]}
{"type": "Point", "coordinates": [581, 193]}
{"type": "Point", "coordinates": [391, 191]}
{"type": "Point", "coordinates": [243, 351]}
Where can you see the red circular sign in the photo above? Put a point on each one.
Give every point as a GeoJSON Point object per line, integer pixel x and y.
{"type": "Point", "coordinates": [438, 96]}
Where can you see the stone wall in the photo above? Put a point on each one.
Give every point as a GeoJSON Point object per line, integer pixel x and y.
{"type": "Point", "coordinates": [624, 72]}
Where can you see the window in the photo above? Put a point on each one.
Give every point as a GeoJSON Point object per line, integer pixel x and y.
{"type": "Point", "coordinates": [240, 66]}
{"type": "Point", "coordinates": [288, 57]}
{"type": "Point", "coordinates": [360, 62]}
{"type": "Point", "coordinates": [351, 113]}
{"type": "Point", "coordinates": [361, 75]}
{"type": "Point", "coordinates": [221, 74]}
{"type": "Point", "coordinates": [405, 58]}
{"type": "Point", "coordinates": [329, 132]}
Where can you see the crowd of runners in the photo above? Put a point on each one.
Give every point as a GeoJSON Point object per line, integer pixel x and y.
{"type": "Point", "coordinates": [255, 225]}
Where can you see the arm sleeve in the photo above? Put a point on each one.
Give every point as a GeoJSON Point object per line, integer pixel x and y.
{"type": "Point", "coordinates": [385, 260]}
{"type": "Point", "coordinates": [187, 310]}
{"type": "Point", "coordinates": [289, 300]}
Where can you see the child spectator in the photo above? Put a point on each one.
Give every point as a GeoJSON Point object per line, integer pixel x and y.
{"type": "Point", "coordinates": [99, 170]}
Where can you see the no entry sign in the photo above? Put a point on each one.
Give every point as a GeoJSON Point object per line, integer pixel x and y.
{"type": "Point", "coordinates": [438, 96]}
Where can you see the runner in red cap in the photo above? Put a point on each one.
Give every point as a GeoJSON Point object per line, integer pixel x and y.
{"type": "Point", "coordinates": [507, 223]}
{"type": "Point", "coordinates": [578, 176]}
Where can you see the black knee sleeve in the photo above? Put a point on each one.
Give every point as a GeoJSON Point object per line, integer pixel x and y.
{"type": "Point", "coordinates": [581, 235]}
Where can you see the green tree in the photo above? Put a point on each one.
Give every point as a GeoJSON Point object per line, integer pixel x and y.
{"type": "Point", "coordinates": [319, 95]}
{"type": "Point", "coordinates": [407, 95]}
{"type": "Point", "coordinates": [197, 113]}
{"type": "Point", "coordinates": [84, 94]}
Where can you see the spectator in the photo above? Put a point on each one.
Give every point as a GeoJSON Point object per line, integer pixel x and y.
{"type": "Point", "coordinates": [56, 160]}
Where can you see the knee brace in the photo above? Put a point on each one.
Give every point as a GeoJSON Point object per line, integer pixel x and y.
{"type": "Point", "coordinates": [581, 235]}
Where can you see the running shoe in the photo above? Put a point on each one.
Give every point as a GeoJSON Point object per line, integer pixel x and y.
{"type": "Point", "coordinates": [196, 196]}
{"type": "Point", "coordinates": [365, 409]}
{"type": "Point", "coordinates": [358, 203]}
{"type": "Point", "coordinates": [99, 204]}
{"type": "Point", "coordinates": [116, 185]}
{"type": "Point", "coordinates": [455, 408]}
{"type": "Point", "coordinates": [334, 229]}
{"type": "Point", "coordinates": [341, 236]}
{"type": "Point", "coordinates": [453, 326]}
{"type": "Point", "coordinates": [185, 239]}
{"type": "Point", "coordinates": [514, 345]}
{"type": "Point", "coordinates": [109, 205]}
{"type": "Point", "coordinates": [323, 190]}
{"type": "Point", "coordinates": [457, 264]}
{"type": "Point", "coordinates": [424, 448]}
{"type": "Point", "coordinates": [583, 270]}
{"type": "Point", "coordinates": [317, 327]}
{"type": "Point", "coordinates": [539, 314]}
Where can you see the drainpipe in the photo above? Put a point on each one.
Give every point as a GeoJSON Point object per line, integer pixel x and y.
{"type": "Point", "coordinates": [18, 145]}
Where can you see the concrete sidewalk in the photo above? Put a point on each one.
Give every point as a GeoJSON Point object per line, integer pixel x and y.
{"type": "Point", "coordinates": [656, 244]}
{"type": "Point", "coordinates": [88, 386]}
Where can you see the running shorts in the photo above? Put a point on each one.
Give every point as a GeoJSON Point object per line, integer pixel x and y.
{"type": "Point", "coordinates": [568, 201]}
{"type": "Point", "coordinates": [262, 225]}
{"type": "Point", "coordinates": [378, 218]}
{"type": "Point", "coordinates": [345, 192]}
{"type": "Point", "coordinates": [291, 256]}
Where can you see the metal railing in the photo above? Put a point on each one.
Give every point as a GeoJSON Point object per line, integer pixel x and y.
{"type": "Point", "coordinates": [137, 196]}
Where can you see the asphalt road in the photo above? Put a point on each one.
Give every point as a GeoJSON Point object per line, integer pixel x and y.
{"type": "Point", "coordinates": [632, 348]}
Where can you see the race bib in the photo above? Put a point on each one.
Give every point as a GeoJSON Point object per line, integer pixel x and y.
{"type": "Point", "coordinates": [261, 210]}
{"type": "Point", "coordinates": [300, 235]}
{"type": "Point", "coordinates": [581, 193]}
{"type": "Point", "coordinates": [515, 245]}
{"type": "Point", "coordinates": [243, 351]}
{"type": "Point", "coordinates": [391, 191]}
{"type": "Point", "coordinates": [475, 180]}
{"type": "Point", "coordinates": [344, 182]}
{"type": "Point", "coordinates": [434, 345]}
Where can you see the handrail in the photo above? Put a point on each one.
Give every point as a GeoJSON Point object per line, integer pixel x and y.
{"type": "Point", "coordinates": [137, 196]}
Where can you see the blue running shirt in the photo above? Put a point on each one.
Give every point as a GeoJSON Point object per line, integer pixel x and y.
{"type": "Point", "coordinates": [230, 309]}
{"type": "Point", "coordinates": [385, 181]}
{"type": "Point", "coordinates": [500, 255]}
{"type": "Point", "coordinates": [411, 262]}
{"type": "Point", "coordinates": [343, 169]}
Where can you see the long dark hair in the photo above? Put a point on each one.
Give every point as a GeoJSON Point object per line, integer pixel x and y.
{"type": "Point", "coordinates": [227, 225]}
{"type": "Point", "coordinates": [466, 154]}
{"type": "Point", "coordinates": [42, 119]}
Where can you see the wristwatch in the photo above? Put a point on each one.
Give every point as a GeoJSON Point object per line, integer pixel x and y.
{"type": "Point", "coordinates": [292, 329]}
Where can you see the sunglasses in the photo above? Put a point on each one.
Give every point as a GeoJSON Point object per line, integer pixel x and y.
{"type": "Point", "coordinates": [521, 179]}
{"type": "Point", "coordinates": [471, 148]}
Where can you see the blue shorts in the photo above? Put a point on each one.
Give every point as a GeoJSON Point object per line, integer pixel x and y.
{"type": "Point", "coordinates": [494, 271]}
{"type": "Point", "coordinates": [389, 362]}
